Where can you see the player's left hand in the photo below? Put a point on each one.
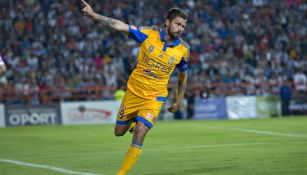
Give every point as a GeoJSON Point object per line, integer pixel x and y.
{"type": "Point", "coordinates": [174, 108]}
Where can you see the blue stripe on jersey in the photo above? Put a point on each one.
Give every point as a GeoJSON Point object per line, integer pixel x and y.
{"type": "Point", "coordinates": [136, 34]}
{"type": "Point", "coordinates": [160, 98]}
{"type": "Point", "coordinates": [147, 123]}
{"type": "Point", "coordinates": [183, 65]}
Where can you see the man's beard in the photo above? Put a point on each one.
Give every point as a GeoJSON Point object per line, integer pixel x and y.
{"type": "Point", "coordinates": [172, 34]}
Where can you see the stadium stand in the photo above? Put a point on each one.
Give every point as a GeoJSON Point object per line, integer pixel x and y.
{"type": "Point", "coordinates": [238, 47]}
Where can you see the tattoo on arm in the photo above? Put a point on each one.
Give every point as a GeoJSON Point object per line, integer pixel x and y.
{"type": "Point", "coordinates": [106, 21]}
{"type": "Point", "coordinates": [112, 23]}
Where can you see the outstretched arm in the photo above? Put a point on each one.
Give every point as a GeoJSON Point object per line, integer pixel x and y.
{"type": "Point", "coordinates": [114, 24]}
{"type": "Point", "coordinates": [182, 84]}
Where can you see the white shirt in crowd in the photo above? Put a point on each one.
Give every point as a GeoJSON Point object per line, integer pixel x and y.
{"type": "Point", "coordinates": [1, 61]}
{"type": "Point", "coordinates": [300, 81]}
{"type": "Point", "coordinates": [2, 66]}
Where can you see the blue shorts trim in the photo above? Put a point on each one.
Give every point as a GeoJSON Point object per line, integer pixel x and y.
{"type": "Point", "coordinates": [146, 122]}
{"type": "Point", "coordinates": [124, 122]}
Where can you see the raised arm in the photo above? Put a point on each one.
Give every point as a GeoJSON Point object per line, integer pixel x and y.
{"type": "Point", "coordinates": [114, 24]}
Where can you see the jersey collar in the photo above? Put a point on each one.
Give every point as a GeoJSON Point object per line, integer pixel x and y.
{"type": "Point", "coordinates": [175, 43]}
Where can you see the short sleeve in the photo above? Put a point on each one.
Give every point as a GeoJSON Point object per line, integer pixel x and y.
{"type": "Point", "coordinates": [183, 65]}
{"type": "Point", "coordinates": [137, 34]}
{"type": "Point", "coordinates": [186, 55]}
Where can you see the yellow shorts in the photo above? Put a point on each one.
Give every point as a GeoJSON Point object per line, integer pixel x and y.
{"type": "Point", "coordinates": [134, 108]}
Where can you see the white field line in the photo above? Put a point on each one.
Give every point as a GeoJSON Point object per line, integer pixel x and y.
{"type": "Point", "coordinates": [62, 170]}
{"type": "Point", "coordinates": [53, 168]}
{"type": "Point", "coordinates": [261, 132]}
{"type": "Point", "coordinates": [110, 152]}
{"type": "Point", "coordinates": [187, 147]}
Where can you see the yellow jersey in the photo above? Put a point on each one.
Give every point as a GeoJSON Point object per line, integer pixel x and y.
{"type": "Point", "coordinates": [157, 59]}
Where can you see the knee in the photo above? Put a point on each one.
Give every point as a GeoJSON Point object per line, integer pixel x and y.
{"type": "Point", "coordinates": [119, 133]}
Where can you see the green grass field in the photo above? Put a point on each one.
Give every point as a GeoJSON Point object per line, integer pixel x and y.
{"type": "Point", "coordinates": [276, 146]}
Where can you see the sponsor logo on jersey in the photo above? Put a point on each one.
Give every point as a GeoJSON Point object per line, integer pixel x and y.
{"type": "Point", "coordinates": [149, 73]}
{"type": "Point", "coordinates": [155, 65]}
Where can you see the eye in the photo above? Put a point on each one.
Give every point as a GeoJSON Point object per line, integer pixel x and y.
{"type": "Point", "coordinates": [179, 24]}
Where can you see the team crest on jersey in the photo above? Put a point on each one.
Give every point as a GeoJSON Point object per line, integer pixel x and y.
{"type": "Point", "coordinates": [150, 116]}
{"type": "Point", "coordinates": [171, 61]}
{"type": "Point", "coordinates": [151, 48]}
{"type": "Point", "coordinates": [122, 111]}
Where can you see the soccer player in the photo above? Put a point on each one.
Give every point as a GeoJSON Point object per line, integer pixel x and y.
{"type": "Point", "coordinates": [161, 51]}
{"type": "Point", "coordinates": [2, 66]}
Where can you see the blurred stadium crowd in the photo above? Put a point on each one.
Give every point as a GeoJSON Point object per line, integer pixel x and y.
{"type": "Point", "coordinates": [49, 44]}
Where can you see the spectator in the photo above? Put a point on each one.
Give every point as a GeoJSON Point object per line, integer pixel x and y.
{"type": "Point", "coordinates": [190, 102]}
{"type": "Point", "coordinates": [119, 94]}
{"type": "Point", "coordinates": [2, 66]}
{"type": "Point", "coordinates": [285, 97]}
{"type": "Point", "coordinates": [232, 42]}
{"type": "Point", "coordinates": [300, 81]}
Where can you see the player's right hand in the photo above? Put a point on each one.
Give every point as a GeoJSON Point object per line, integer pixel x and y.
{"type": "Point", "coordinates": [87, 10]}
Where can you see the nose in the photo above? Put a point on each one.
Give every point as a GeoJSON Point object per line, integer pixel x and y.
{"type": "Point", "coordinates": [180, 29]}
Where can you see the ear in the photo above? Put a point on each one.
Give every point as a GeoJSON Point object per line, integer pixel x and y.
{"type": "Point", "coordinates": [167, 22]}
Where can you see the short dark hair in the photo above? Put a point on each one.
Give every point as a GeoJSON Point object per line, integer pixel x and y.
{"type": "Point", "coordinates": [176, 12]}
